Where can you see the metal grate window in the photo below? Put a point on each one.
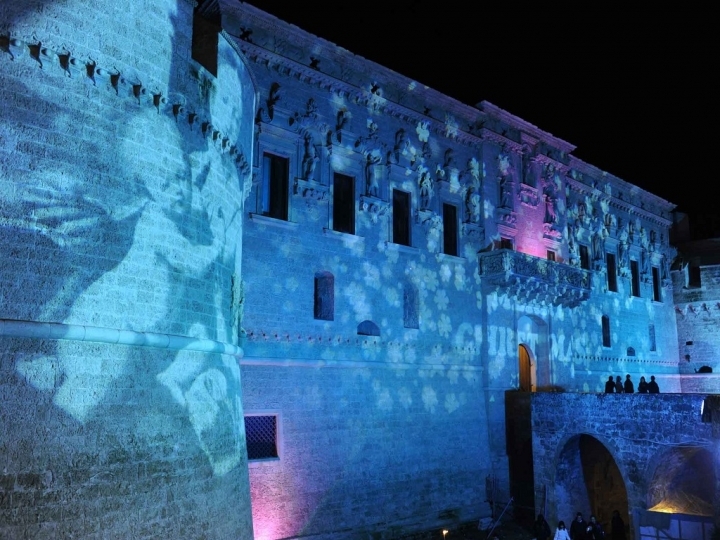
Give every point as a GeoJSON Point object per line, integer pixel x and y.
{"type": "Point", "coordinates": [261, 436]}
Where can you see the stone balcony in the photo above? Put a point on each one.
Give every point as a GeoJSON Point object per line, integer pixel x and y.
{"type": "Point", "coordinates": [530, 279]}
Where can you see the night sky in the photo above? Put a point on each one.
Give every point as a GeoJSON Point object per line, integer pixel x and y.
{"type": "Point", "coordinates": [631, 89]}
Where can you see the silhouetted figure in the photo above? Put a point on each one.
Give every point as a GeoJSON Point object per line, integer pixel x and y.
{"type": "Point", "coordinates": [628, 387]}
{"type": "Point", "coordinates": [594, 530]}
{"type": "Point", "coordinates": [617, 526]}
{"type": "Point", "coordinates": [610, 385]}
{"type": "Point", "coordinates": [653, 387]}
{"type": "Point", "coordinates": [578, 529]}
{"type": "Point", "coordinates": [541, 528]}
{"type": "Point", "coordinates": [561, 532]}
{"type": "Point", "coordinates": [618, 385]}
{"type": "Point", "coordinates": [642, 386]}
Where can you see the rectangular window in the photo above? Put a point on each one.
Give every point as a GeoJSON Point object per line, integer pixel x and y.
{"type": "Point", "coordinates": [657, 296]}
{"type": "Point", "coordinates": [584, 258]}
{"type": "Point", "coordinates": [275, 186]}
{"type": "Point", "coordinates": [606, 331]}
{"type": "Point", "coordinates": [450, 243]}
{"type": "Point", "coordinates": [635, 274]}
{"type": "Point", "coordinates": [401, 217]}
{"type": "Point", "coordinates": [611, 271]}
{"type": "Point", "coordinates": [653, 343]}
{"type": "Point", "coordinates": [550, 255]}
{"type": "Point", "coordinates": [506, 243]}
{"type": "Point", "coordinates": [344, 203]}
{"type": "Point", "coordinates": [261, 436]}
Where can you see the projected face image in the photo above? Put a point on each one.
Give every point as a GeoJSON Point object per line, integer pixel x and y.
{"type": "Point", "coordinates": [139, 227]}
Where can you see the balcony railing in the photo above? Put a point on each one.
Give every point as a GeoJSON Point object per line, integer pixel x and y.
{"type": "Point", "coordinates": [534, 280]}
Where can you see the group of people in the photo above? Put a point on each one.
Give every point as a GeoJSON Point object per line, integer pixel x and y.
{"type": "Point", "coordinates": [579, 529]}
{"type": "Point", "coordinates": [616, 386]}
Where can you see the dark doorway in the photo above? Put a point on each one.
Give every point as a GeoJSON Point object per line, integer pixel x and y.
{"type": "Point", "coordinates": [589, 481]}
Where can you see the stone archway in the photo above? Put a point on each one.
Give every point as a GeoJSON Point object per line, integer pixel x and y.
{"type": "Point", "coordinates": [588, 480]}
{"type": "Point", "coordinates": [683, 482]}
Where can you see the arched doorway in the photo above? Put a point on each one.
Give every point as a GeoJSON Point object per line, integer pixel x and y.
{"type": "Point", "coordinates": [588, 480]}
{"type": "Point", "coordinates": [526, 370]}
{"type": "Point", "coordinates": [533, 354]}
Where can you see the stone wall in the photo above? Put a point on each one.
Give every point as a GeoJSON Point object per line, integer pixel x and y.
{"type": "Point", "coordinates": [123, 167]}
{"type": "Point", "coordinates": [653, 440]}
{"type": "Point", "coordinates": [323, 111]}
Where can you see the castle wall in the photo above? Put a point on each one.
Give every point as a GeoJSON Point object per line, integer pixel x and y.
{"type": "Point", "coordinates": [123, 166]}
{"type": "Point", "coordinates": [324, 112]}
{"type": "Point", "coordinates": [661, 445]}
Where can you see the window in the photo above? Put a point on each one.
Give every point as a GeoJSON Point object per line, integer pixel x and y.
{"type": "Point", "coordinates": [635, 274]}
{"type": "Point", "coordinates": [506, 243]}
{"type": "Point", "coordinates": [261, 436]}
{"type": "Point", "coordinates": [410, 307]}
{"type": "Point", "coordinates": [630, 351]}
{"type": "Point", "coordinates": [657, 296]}
{"type": "Point", "coordinates": [450, 243]}
{"type": "Point", "coordinates": [651, 335]}
{"type": "Point", "coordinates": [324, 296]}
{"type": "Point", "coordinates": [611, 271]}
{"type": "Point", "coordinates": [275, 186]}
{"type": "Point", "coordinates": [606, 331]}
{"type": "Point", "coordinates": [205, 29]}
{"type": "Point", "coordinates": [550, 255]}
{"type": "Point", "coordinates": [693, 276]}
{"type": "Point", "coordinates": [584, 257]}
{"type": "Point", "coordinates": [344, 203]}
{"type": "Point", "coordinates": [368, 328]}
{"type": "Point", "coordinates": [401, 217]}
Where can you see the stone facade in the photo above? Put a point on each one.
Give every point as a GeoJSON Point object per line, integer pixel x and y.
{"type": "Point", "coordinates": [696, 294]}
{"type": "Point", "coordinates": [469, 234]}
{"type": "Point", "coordinates": [123, 165]}
{"type": "Point", "coordinates": [408, 262]}
{"type": "Point", "coordinates": [653, 454]}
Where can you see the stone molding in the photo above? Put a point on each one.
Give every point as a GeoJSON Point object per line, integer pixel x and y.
{"type": "Point", "coordinates": [151, 94]}
{"type": "Point", "coordinates": [113, 336]}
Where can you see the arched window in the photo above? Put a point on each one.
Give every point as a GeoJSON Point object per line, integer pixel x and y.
{"type": "Point", "coordinates": [324, 296]}
{"type": "Point", "coordinates": [606, 331]}
{"type": "Point", "coordinates": [368, 328]}
{"type": "Point", "coordinates": [630, 351]}
{"type": "Point", "coordinates": [410, 307]}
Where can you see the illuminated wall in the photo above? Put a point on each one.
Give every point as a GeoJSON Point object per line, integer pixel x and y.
{"type": "Point", "coordinates": [663, 448]}
{"type": "Point", "coordinates": [697, 305]}
{"type": "Point", "coordinates": [123, 166]}
{"type": "Point", "coordinates": [391, 403]}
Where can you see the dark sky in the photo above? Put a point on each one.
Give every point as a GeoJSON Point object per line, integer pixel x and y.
{"type": "Point", "coordinates": [630, 88]}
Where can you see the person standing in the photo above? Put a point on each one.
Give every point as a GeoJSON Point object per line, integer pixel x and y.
{"type": "Point", "coordinates": [594, 530]}
{"type": "Point", "coordinates": [578, 529]}
{"type": "Point", "coordinates": [628, 387]}
{"type": "Point", "coordinates": [610, 385]}
{"type": "Point", "coordinates": [617, 526]}
{"type": "Point", "coordinates": [561, 532]}
{"type": "Point", "coordinates": [642, 386]}
{"type": "Point", "coordinates": [618, 385]}
{"type": "Point", "coordinates": [653, 387]}
{"type": "Point", "coordinates": [541, 528]}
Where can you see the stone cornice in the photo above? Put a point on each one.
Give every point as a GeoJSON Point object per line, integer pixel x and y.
{"type": "Point", "coordinates": [620, 204]}
{"type": "Point", "coordinates": [524, 126]}
{"type": "Point", "coordinates": [597, 173]}
{"type": "Point", "coordinates": [291, 68]}
{"type": "Point", "coordinates": [466, 116]}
